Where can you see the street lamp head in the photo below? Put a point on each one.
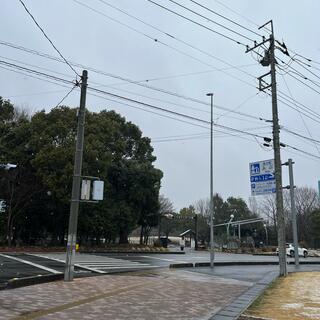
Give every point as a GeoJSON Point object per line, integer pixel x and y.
{"type": "Point", "coordinates": [231, 216]}
{"type": "Point", "coordinates": [209, 94]}
{"type": "Point", "coordinates": [8, 166]}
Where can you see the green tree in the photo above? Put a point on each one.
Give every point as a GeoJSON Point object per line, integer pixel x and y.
{"type": "Point", "coordinates": [43, 146]}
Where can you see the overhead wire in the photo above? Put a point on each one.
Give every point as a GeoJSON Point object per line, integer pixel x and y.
{"type": "Point", "coordinates": [46, 36]}
{"type": "Point", "coordinates": [173, 113]}
{"type": "Point", "coordinates": [128, 80]}
{"type": "Point", "coordinates": [66, 96]}
{"type": "Point", "coordinates": [153, 39]}
{"type": "Point", "coordinates": [153, 98]}
{"type": "Point", "coordinates": [226, 18]}
{"type": "Point", "coordinates": [212, 21]}
{"type": "Point", "coordinates": [196, 23]}
{"type": "Point", "coordinates": [170, 35]}
{"type": "Point", "coordinates": [302, 119]}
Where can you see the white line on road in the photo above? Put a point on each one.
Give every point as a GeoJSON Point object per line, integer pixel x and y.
{"type": "Point", "coordinates": [128, 267]}
{"type": "Point", "coordinates": [31, 264]}
{"type": "Point", "coordinates": [62, 261]}
{"type": "Point", "coordinates": [169, 260]}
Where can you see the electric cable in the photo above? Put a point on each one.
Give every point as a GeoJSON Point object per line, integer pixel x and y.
{"type": "Point", "coordinates": [170, 35]}
{"type": "Point", "coordinates": [224, 17]}
{"type": "Point", "coordinates": [197, 23]}
{"type": "Point", "coordinates": [223, 127]}
{"type": "Point", "coordinates": [52, 44]}
{"type": "Point", "coordinates": [66, 96]}
{"type": "Point", "coordinates": [208, 19]}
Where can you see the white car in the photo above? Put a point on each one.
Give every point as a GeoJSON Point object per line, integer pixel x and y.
{"type": "Point", "coordinates": [303, 252]}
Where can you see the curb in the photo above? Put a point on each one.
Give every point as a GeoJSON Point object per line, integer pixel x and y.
{"type": "Point", "coordinates": [240, 304]}
{"type": "Point", "coordinates": [29, 281]}
{"type": "Point", "coordinates": [181, 265]}
{"type": "Point", "coordinates": [236, 263]}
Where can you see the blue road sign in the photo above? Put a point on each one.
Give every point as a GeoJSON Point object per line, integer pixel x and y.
{"type": "Point", "coordinates": [262, 177]}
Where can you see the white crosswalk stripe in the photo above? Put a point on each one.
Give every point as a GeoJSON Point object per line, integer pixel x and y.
{"type": "Point", "coordinates": [96, 264]}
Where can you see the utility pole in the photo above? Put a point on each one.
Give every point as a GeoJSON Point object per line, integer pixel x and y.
{"type": "Point", "coordinates": [269, 59]}
{"type": "Point", "coordinates": [211, 185]}
{"type": "Point", "coordinates": [293, 213]}
{"type": "Point", "coordinates": [76, 183]}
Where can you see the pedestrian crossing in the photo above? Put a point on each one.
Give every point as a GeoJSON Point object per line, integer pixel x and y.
{"type": "Point", "coordinates": [99, 265]}
{"type": "Point", "coordinates": [109, 264]}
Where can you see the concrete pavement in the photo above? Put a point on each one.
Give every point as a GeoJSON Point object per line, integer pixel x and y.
{"type": "Point", "coordinates": [157, 294]}
{"type": "Point", "coordinates": [195, 293]}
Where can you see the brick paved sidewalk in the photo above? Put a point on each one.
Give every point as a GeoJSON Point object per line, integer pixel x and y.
{"type": "Point", "coordinates": [161, 294]}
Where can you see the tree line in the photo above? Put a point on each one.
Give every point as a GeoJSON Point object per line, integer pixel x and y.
{"type": "Point", "coordinates": [37, 192]}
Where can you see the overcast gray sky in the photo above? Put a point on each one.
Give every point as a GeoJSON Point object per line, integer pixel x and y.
{"type": "Point", "coordinates": [109, 40]}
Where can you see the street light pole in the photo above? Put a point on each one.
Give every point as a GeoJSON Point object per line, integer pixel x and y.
{"type": "Point", "coordinates": [265, 228]}
{"type": "Point", "coordinates": [211, 184]}
{"type": "Point", "coordinates": [228, 226]}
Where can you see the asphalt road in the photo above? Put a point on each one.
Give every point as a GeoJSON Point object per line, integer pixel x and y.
{"type": "Point", "coordinates": [18, 265]}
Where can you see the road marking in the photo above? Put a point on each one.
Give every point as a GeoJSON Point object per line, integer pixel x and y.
{"type": "Point", "coordinates": [62, 261]}
{"type": "Point", "coordinates": [170, 260]}
{"type": "Point", "coordinates": [31, 264]}
{"type": "Point", "coordinates": [128, 267]}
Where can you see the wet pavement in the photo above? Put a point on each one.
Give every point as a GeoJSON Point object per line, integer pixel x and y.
{"type": "Point", "coordinates": [157, 294]}
{"type": "Point", "coordinates": [193, 293]}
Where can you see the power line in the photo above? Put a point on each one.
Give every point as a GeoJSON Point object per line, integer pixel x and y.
{"type": "Point", "coordinates": [196, 109]}
{"type": "Point", "coordinates": [55, 78]}
{"type": "Point", "coordinates": [52, 44]}
{"type": "Point", "coordinates": [155, 40]}
{"type": "Point", "coordinates": [224, 17]}
{"type": "Point", "coordinates": [239, 106]}
{"type": "Point", "coordinates": [208, 19]}
{"type": "Point", "coordinates": [294, 108]}
{"type": "Point", "coordinates": [197, 23]}
{"type": "Point", "coordinates": [127, 91]}
{"type": "Point", "coordinates": [170, 35]}
{"type": "Point", "coordinates": [125, 79]}
{"type": "Point", "coordinates": [304, 67]}
{"type": "Point", "coordinates": [304, 123]}
{"type": "Point", "coordinates": [303, 57]}
{"type": "Point", "coordinates": [223, 127]}
{"type": "Point", "coordinates": [300, 135]}
{"type": "Point", "coordinates": [237, 13]}
{"type": "Point", "coordinates": [305, 84]}
{"type": "Point", "coordinates": [297, 104]}
{"type": "Point", "coordinates": [303, 151]}
{"type": "Point", "coordinates": [189, 74]}
{"type": "Point", "coordinates": [66, 96]}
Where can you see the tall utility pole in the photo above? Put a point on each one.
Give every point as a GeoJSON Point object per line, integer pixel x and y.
{"type": "Point", "coordinates": [293, 213]}
{"type": "Point", "coordinates": [76, 183]}
{"type": "Point", "coordinates": [211, 185]}
{"type": "Point", "coordinates": [269, 59]}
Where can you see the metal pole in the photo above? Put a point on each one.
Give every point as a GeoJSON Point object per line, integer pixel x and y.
{"type": "Point", "coordinates": [239, 232]}
{"type": "Point", "coordinates": [159, 226]}
{"type": "Point", "coordinates": [277, 162]}
{"type": "Point", "coordinates": [196, 231]}
{"type": "Point", "coordinates": [266, 230]}
{"type": "Point", "coordinates": [211, 185]}
{"type": "Point", "coordinates": [74, 206]}
{"type": "Point", "coordinates": [293, 213]}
